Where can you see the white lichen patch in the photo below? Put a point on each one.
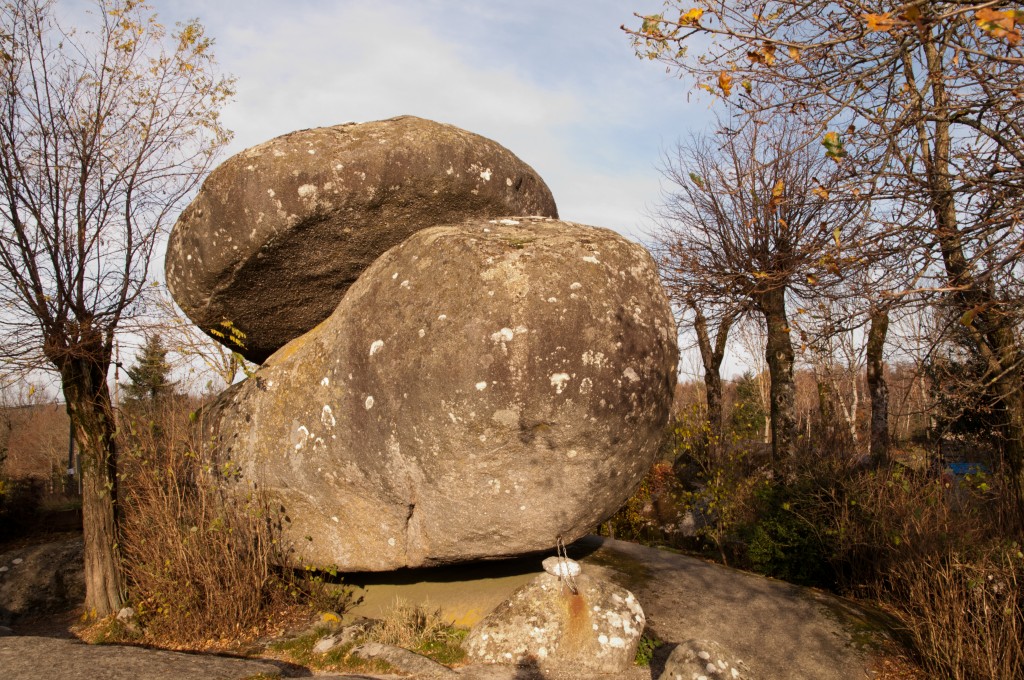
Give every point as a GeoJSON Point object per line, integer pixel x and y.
{"type": "Point", "coordinates": [576, 285]}
{"type": "Point", "coordinates": [368, 404]}
{"type": "Point", "coordinates": [307, 191]}
{"type": "Point", "coordinates": [508, 181]}
{"type": "Point", "coordinates": [592, 358]}
{"type": "Point", "coordinates": [376, 346]}
{"type": "Point", "coordinates": [591, 259]}
{"type": "Point", "coordinates": [504, 335]}
{"type": "Point", "coordinates": [485, 175]}
{"type": "Point", "coordinates": [558, 381]}
{"type": "Point", "coordinates": [631, 375]}
{"type": "Point", "coordinates": [509, 223]}
{"type": "Point", "coordinates": [422, 332]}
{"type": "Point", "coordinates": [303, 437]}
{"type": "Point", "coordinates": [327, 416]}
{"type": "Point", "coordinates": [482, 385]}
{"type": "Point", "coordinates": [325, 382]}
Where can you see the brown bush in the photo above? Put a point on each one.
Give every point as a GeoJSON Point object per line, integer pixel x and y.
{"type": "Point", "coordinates": [199, 564]}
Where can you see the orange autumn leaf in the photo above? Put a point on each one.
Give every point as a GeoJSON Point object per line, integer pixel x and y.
{"type": "Point", "coordinates": [879, 22]}
{"type": "Point", "coordinates": [764, 55]}
{"type": "Point", "coordinates": [779, 187]}
{"type": "Point", "coordinates": [1000, 25]}
{"type": "Point", "coordinates": [725, 82]}
{"type": "Point", "coordinates": [794, 53]}
{"type": "Point", "coordinates": [820, 192]}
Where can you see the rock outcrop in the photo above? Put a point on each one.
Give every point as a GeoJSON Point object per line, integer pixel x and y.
{"type": "Point", "coordinates": [41, 579]}
{"type": "Point", "coordinates": [703, 659]}
{"type": "Point", "coordinates": [481, 389]}
{"type": "Point", "coordinates": [279, 232]}
{"type": "Point", "coordinates": [584, 624]}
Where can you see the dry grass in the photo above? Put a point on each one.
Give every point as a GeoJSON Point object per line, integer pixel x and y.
{"type": "Point", "coordinates": [200, 564]}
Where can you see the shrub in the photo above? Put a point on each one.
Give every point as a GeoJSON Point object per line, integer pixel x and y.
{"type": "Point", "coordinates": [200, 563]}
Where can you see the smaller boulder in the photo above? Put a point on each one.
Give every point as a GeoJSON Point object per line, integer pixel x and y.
{"type": "Point", "coordinates": [595, 629]}
{"type": "Point", "coordinates": [703, 660]}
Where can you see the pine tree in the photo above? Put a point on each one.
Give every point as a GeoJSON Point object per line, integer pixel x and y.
{"type": "Point", "coordinates": [150, 376]}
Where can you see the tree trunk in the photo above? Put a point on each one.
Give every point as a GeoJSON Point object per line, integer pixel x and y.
{"type": "Point", "coordinates": [84, 381]}
{"type": "Point", "coordinates": [780, 359]}
{"type": "Point", "coordinates": [878, 388]}
{"type": "Point", "coordinates": [712, 357]}
{"type": "Point", "coordinates": [992, 327]}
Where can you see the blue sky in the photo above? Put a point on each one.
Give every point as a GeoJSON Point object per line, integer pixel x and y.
{"type": "Point", "coordinates": [555, 82]}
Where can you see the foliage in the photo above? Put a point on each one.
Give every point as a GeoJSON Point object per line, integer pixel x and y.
{"type": "Point", "coordinates": [150, 376]}
{"type": "Point", "coordinates": [784, 542]}
{"type": "Point", "coordinates": [649, 643]}
{"type": "Point", "coordinates": [651, 514]}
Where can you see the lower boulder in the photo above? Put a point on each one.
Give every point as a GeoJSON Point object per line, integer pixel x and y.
{"type": "Point", "coordinates": [576, 623]}
{"type": "Point", "coordinates": [481, 390]}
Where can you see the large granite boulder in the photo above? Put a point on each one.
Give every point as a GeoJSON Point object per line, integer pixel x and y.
{"type": "Point", "coordinates": [480, 390]}
{"type": "Point", "coordinates": [279, 232]}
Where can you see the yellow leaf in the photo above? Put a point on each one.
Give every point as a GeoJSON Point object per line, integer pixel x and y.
{"type": "Point", "coordinates": [691, 18]}
{"type": "Point", "coordinates": [836, 233]}
{"type": "Point", "coordinates": [777, 190]}
{"type": "Point", "coordinates": [794, 53]}
{"type": "Point", "coordinates": [747, 86]}
{"type": "Point", "coordinates": [912, 14]}
{"type": "Point", "coordinates": [765, 55]}
{"type": "Point", "coordinates": [820, 192]}
{"type": "Point", "coordinates": [812, 279]}
{"type": "Point", "coordinates": [705, 86]}
{"type": "Point", "coordinates": [725, 82]}
{"type": "Point", "coordinates": [879, 22]}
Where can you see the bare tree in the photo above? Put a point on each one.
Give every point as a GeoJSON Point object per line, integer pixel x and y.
{"type": "Point", "coordinates": [749, 218]}
{"type": "Point", "coordinates": [103, 135]}
{"type": "Point", "coordinates": [924, 102]}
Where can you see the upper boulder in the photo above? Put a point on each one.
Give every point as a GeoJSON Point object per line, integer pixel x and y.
{"type": "Point", "coordinates": [280, 231]}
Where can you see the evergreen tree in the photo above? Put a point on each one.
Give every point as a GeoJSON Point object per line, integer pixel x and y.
{"type": "Point", "coordinates": [748, 414]}
{"type": "Point", "coordinates": [150, 376]}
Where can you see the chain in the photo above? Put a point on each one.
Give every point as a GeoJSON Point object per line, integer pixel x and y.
{"type": "Point", "coordinates": [566, 575]}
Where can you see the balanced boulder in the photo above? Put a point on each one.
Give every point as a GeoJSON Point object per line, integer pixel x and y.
{"type": "Point", "coordinates": [279, 232]}
{"type": "Point", "coordinates": [481, 390]}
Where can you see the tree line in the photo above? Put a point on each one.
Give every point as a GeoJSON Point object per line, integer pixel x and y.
{"type": "Point", "coordinates": [867, 164]}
